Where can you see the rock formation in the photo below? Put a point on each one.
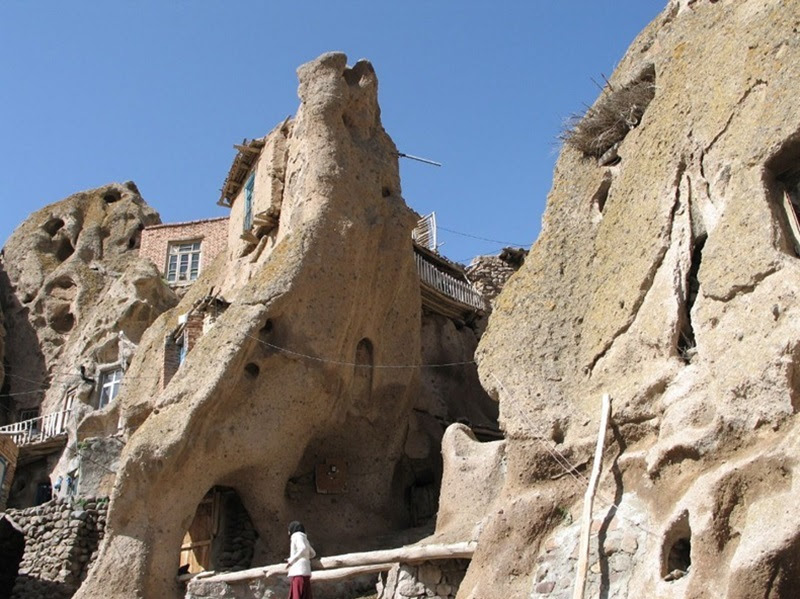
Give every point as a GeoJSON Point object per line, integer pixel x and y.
{"type": "Point", "coordinates": [291, 373]}
{"type": "Point", "coordinates": [666, 275]}
{"type": "Point", "coordinates": [72, 284]}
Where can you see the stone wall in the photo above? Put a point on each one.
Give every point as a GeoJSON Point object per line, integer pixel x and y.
{"type": "Point", "coordinates": [439, 579]}
{"type": "Point", "coordinates": [61, 540]}
{"type": "Point", "coordinates": [213, 233]}
{"type": "Point", "coordinates": [489, 274]}
{"type": "Point", "coordinates": [278, 588]}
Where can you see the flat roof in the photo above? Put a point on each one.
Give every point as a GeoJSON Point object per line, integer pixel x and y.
{"type": "Point", "coordinates": [185, 223]}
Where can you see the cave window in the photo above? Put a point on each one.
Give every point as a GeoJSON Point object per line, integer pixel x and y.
{"type": "Point", "coordinates": [791, 205]}
{"type": "Point", "coordinates": [44, 493]}
{"type": "Point", "coordinates": [183, 347]}
{"type": "Point", "coordinates": [30, 414]}
{"type": "Point", "coordinates": [248, 201]}
{"type": "Point", "coordinates": [69, 399]}
{"type": "Point", "coordinates": [676, 560]}
{"type": "Point", "coordinates": [183, 261]}
{"type": "Point", "coordinates": [109, 386]}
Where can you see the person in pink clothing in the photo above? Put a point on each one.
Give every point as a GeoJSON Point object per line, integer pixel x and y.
{"type": "Point", "coordinates": [299, 560]}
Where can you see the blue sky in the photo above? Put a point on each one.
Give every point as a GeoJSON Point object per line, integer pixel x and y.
{"type": "Point", "coordinates": [158, 91]}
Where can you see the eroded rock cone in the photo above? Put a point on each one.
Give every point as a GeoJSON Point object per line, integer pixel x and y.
{"type": "Point", "coordinates": [335, 282]}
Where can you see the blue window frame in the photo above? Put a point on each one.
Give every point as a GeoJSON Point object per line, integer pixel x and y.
{"type": "Point", "coordinates": [248, 201]}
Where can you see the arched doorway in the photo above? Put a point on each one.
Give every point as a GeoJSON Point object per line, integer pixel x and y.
{"type": "Point", "coordinates": [221, 535]}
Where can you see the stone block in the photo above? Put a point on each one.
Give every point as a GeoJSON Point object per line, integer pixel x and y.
{"type": "Point", "coordinates": [545, 588]}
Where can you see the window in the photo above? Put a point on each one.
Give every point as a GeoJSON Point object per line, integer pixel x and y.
{"type": "Point", "coordinates": [183, 347]}
{"type": "Point", "coordinates": [30, 418]}
{"type": "Point", "coordinates": [109, 386]}
{"type": "Point", "coordinates": [248, 201]}
{"type": "Point", "coordinates": [69, 399]}
{"type": "Point", "coordinates": [28, 414]}
{"type": "Point", "coordinates": [183, 262]}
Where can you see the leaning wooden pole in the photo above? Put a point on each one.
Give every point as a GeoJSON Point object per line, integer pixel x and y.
{"type": "Point", "coordinates": [586, 520]}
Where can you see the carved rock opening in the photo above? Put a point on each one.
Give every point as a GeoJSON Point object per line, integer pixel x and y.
{"type": "Point", "coordinates": [62, 320]}
{"type": "Point", "coordinates": [64, 249]}
{"type": "Point", "coordinates": [221, 535]}
{"type": "Point", "coordinates": [783, 181]}
{"type": "Point", "coordinates": [135, 240]}
{"type": "Point", "coordinates": [676, 558]}
{"type": "Point", "coordinates": [252, 370]}
{"type": "Point", "coordinates": [601, 195]}
{"type": "Point", "coordinates": [687, 345]}
{"type": "Point", "coordinates": [112, 196]}
{"type": "Point", "coordinates": [12, 548]}
{"type": "Point", "coordinates": [52, 226]}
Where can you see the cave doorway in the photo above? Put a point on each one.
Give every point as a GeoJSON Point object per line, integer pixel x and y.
{"type": "Point", "coordinates": [221, 535]}
{"type": "Point", "coordinates": [12, 548]}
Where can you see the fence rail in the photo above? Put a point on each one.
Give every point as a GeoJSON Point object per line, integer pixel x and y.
{"type": "Point", "coordinates": [461, 291]}
{"type": "Point", "coordinates": [37, 430]}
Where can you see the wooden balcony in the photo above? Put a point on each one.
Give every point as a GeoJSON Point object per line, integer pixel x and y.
{"type": "Point", "coordinates": [38, 436]}
{"type": "Point", "coordinates": [444, 290]}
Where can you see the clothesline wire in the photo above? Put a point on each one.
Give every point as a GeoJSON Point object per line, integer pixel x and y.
{"type": "Point", "coordinates": [45, 386]}
{"type": "Point", "coordinates": [335, 362]}
{"type": "Point", "coordinates": [557, 456]}
{"type": "Point", "coordinates": [509, 243]}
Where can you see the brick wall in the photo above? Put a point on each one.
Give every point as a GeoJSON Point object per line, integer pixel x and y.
{"type": "Point", "coordinates": [193, 330]}
{"type": "Point", "coordinates": [8, 452]}
{"type": "Point", "coordinates": [212, 232]}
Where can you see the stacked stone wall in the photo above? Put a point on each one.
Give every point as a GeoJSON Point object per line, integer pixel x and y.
{"type": "Point", "coordinates": [61, 541]}
{"type": "Point", "coordinates": [489, 274]}
{"type": "Point", "coordinates": [439, 579]}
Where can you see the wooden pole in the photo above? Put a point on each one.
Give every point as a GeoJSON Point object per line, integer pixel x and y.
{"type": "Point", "coordinates": [340, 567]}
{"type": "Point", "coordinates": [586, 520]}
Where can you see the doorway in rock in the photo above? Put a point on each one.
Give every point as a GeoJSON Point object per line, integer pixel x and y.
{"type": "Point", "coordinates": [12, 547]}
{"type": "Point", "coordinates": [221, 535]}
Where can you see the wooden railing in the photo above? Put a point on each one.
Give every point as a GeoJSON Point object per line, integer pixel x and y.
{"type": "Point", "coordinates": [342, 567]}
{"type": "Point", "coordinates": [461, 291]}
{"type": "Point", "coordinates": [37, 430]}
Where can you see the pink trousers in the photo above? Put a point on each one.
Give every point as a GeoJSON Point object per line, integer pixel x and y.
{"type": "Point", "coordinates": [300, 587]}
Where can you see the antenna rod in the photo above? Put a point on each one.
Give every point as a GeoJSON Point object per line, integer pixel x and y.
{"type": "Point", "coordinates": [425, 160]}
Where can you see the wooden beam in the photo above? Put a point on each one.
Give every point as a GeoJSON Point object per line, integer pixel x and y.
{"type": "Point", "coordinates": [348, 565]}
{"type": "Point", "coordinates": [586, 522]}
{"type": "Point", "coordinates": [251, 149]}
{"type": "Point", "coordinates": [406, 555]}
{"type": "Point", "coordinates": [248, 237]}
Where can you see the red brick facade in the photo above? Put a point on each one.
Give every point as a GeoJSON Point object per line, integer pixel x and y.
{"type": "Point", "coordinates": [212, 234]}
{"type": "Point", "coordinates": [8, 455]}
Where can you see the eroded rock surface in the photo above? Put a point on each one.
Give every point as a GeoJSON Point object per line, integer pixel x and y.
{"type": "Point", "coordinates": [63, 294]}
{"type": "Point", "coordinates": [666, 275]}
{"type": "Point", "coordinates": [335, 285]}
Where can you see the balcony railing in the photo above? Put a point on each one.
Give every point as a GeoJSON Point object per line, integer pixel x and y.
{"type": "Point", "coordinates": [37, 430]}
{"type": "Point", "coordinates": [460, 291]}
